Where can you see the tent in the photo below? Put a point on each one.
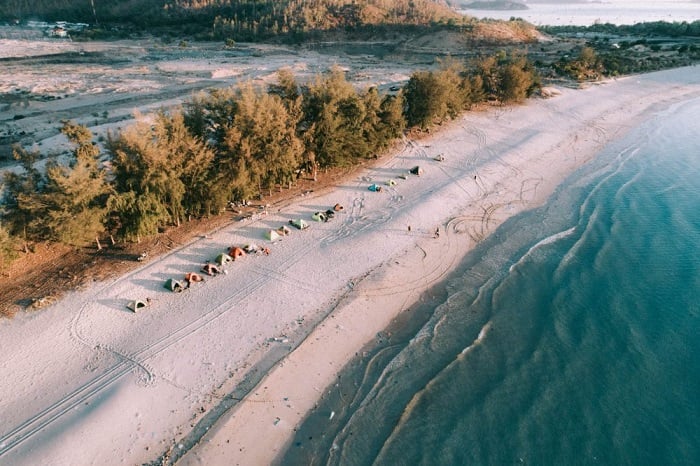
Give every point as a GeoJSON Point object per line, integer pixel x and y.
{"type": "Point", "coordinates": [319, 217]}
{"type": "Point", "coordinates": [236, 252]}
{"type": "Point", "coordinates": [283, 230]}
{"type": "Point", "coordinates": [416, 171]}
{"type": "Point", "coordinates": [192, 277]}
{"type": "Point", "coordinates": [174, 285]}
{"type": "Point", "coordinates": [223, 258]}
{"type": "Point", "coordinates": [300, 224]}
{"type": "Point", "coordinates": [251, 248]}
{"type": "Point", "coordinates": [375, 188]}
{"type": "Point", "coordinates": [391, 183]}
{"type": "Point", "coordinates": [271, 235]}
{"type": "Point", "coordinates": [330, 213]}
{"type": "Point", "coordinates": [338, 207]}
{"type": "Point", "coordinates": [210, 269]}
{"type": "Point", "coordinates": [439, 158]}
{"type": "Point", "coordinates": [136, 305]}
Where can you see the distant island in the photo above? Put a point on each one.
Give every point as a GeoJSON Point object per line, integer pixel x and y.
{"type": "Point", "coordinates": [495, 5]}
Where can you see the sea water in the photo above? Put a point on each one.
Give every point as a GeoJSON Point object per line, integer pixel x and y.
{"type": "Point", "coordinates": [588, 13]}
{"type": "Point", "coordinates": [569, 336]}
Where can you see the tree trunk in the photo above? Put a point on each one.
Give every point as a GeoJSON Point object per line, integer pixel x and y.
{"type": "Point", "coordinates": [97, 240]}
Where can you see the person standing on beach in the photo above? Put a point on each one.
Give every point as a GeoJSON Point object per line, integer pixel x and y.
{"type": "Point", "coordinates": [437, 232]}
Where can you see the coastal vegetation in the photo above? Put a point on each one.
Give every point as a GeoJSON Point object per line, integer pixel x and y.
{"type": "Point", "coordinates": [612, 50]}
{"type": "Point", "coordinates": [236, 19]}
{"type": "Point", "coordinates": [243, 143]}
{"type": "Point", "coordinates": [232, 145]}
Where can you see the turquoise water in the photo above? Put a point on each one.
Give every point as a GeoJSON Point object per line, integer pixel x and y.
{"type": "Point", "coordinates": [570, 336]}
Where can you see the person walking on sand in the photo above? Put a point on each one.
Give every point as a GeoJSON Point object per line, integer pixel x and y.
{"type": "Point", "coordinates": [437, 232]}
{"type": "Point", "coordinates": [409, 228]}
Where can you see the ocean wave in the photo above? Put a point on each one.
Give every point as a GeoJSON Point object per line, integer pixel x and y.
{"type": "Point", "coordinates": [548, 240]}
{"type": "Point", "coordinates": [482, 333]}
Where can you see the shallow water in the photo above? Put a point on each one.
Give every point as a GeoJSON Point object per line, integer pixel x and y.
{"type": "Point", "coordinates": [570, 336]}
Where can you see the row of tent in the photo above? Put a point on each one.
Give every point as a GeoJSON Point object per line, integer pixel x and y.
{"type": "Point", "coordinates": [234, 253]}
{"type": "Point", "coordinates": [417, 170]}
{"type": "Point", "coordinates": [208, 268]}
{"type": "Point", "coordinates": [301, 224]}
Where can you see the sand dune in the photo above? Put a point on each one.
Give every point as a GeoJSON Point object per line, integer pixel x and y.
{"type": "Point", "coordinates": [223, 372]}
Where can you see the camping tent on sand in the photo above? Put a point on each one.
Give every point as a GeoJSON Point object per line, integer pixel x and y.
{"type": "Point", "coordinates": [223, 258]}
{"type": "Point", "coordinates": [136, 305]}
{"type": "Point", "coordinates": [271, 235]}
{"type": "Point", "coordinates": [299, 223]}
{"type": "Point", "coordinates": [319, 217]}
{"type": "Point", "coordinates": [283, 230]}
{"type": "Point", "coordinates": [174, 285]}
{"type": "Point", "coordinates": [236, 252]}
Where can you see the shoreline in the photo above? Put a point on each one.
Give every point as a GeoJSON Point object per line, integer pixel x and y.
{"type": "Point", "coordinates": [134, 386]}
{"type": "Point", "coordinates": [264, 425]}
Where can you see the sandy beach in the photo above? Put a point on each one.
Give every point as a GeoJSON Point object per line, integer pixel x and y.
{"type": "Point", "coordinates": [223, 372]}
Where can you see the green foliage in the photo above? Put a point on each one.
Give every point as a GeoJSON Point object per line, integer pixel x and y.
{"type": "Point", "coordinates": [261, 147]}
{"type": "Point", "coordinates": [23, 211]}
{"type": "Point", "coordinates": [138, 214]}
{"type": "Point", "coordinates": [67, 203]}
{"type": "Point", "coordinates": [166, 168]}
{"type": "Point", "coordinates": [391, 120]}
{"type": "Point", "coordinates": [518, 81]}
{"type": "Point", "coordinates": [435, 96]}
{"type": "Point", "coordinates": [233, 144]}
{"type": "Point", "coordinates": [337, 118]}
{"type": "Point", "coordinates": [8, 247]}
{"type": "Point", "coordinates": [587, 66]}
{"type": "Point", "coordinates": [424, 99]}
{"type": "Point", "coordinates": [74, 196]}
{"type": "Point", "coordinates": [654, 28]}
{"type": "Point", "coordinates": [243, 20]}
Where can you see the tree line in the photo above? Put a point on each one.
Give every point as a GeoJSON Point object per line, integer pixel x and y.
{"type": "Point", "coordinates": [231, 144]}
{"type": "Point", "coordinates": [651, 28]}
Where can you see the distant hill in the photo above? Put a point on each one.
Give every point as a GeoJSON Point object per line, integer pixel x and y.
{"type": "Point", "coordinates": [277, 15]}
{"type": "Point", "coordinates": [258, 20]}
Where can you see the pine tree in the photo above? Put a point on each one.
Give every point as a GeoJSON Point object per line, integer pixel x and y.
{"type": "Point", "coordinates": [24, 210]}
{"type": "Point", "coordinates": [75, 195]}
{"type": "Point", "coordinates": [8, 246]}
{"type": "Point", "coordinates": [143, 164]}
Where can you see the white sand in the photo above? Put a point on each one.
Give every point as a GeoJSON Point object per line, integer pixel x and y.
{"type": "Point", "coordinates": [87, 382]}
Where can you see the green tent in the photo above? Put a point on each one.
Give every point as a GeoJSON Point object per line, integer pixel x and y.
{"type": "Point", "coordinates": [223, 258]}
{"type": "Point", "coordinates": [319, 217]}
{"type": "Point", "coordinates": [136, 305]}
{"type": "Point", "coordinates": [271, 235]}
{"type": "Point", "coordinates": [174, 285]}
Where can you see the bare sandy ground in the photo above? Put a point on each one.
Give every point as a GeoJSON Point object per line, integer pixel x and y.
{"type": "Point", "coordinates": [101, 84]}
{"type": "Point", "coordinates": [223, 372]}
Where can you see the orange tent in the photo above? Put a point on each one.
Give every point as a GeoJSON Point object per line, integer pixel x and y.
{"type": "Point", "coordinates": [236, 252]}
{"type": "Point", "coordinates": [193, 277]}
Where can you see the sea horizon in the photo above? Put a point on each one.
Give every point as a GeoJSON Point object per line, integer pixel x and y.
{"type": "Point", "coordinates": [587, 14]}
